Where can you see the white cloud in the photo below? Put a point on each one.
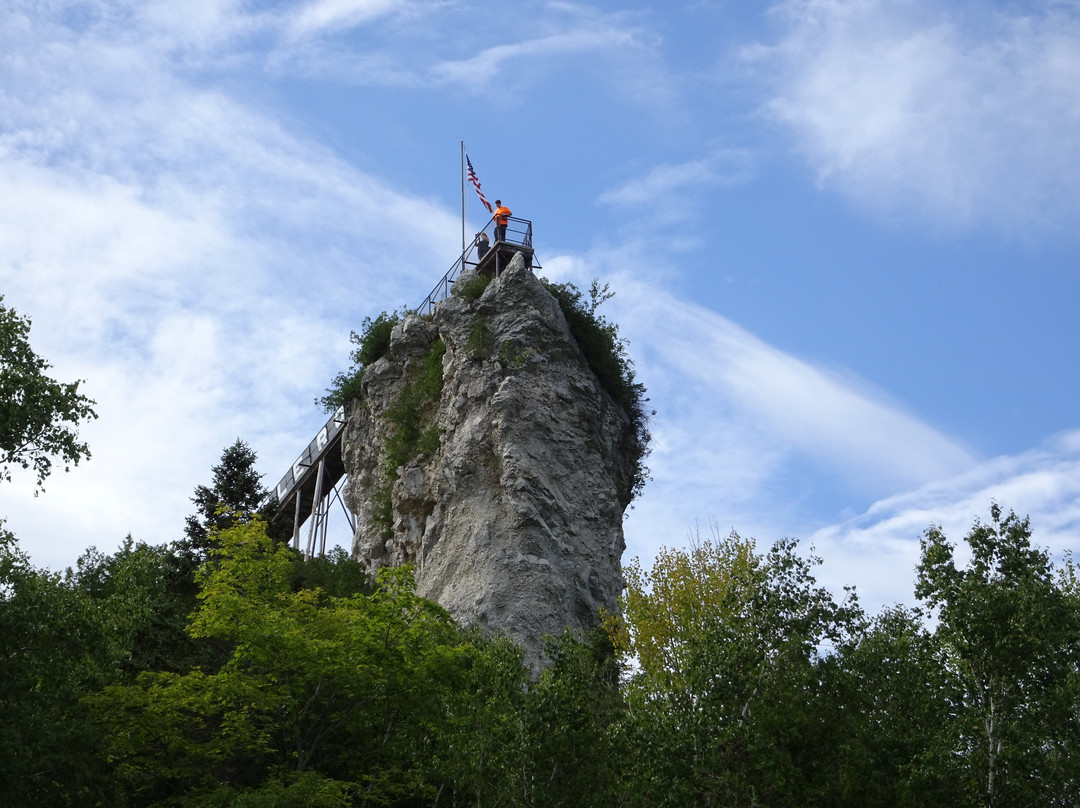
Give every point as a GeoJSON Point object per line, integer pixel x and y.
{"type": "Point", "coordinates": [969, 117]}
{"type": "Point", "coordinates": [879, 549]}
{"type": "Point", "coordinates": [493, 67]}
{"type": "Point", "coordinates": [713, 365]}
{"type": "Point", "coordinates": [664, 184]}
{"type": "Point", "coordinates": [196, 263]}
{"type": "Point", "coordinates": [321, 15]}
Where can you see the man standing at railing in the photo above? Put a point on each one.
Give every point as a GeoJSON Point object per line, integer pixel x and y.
{"type": "Point", "coordinates": [502, 216]}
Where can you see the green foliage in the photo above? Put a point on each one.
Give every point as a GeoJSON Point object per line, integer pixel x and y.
{"type": "Point", "coordinates": [609, 359]}
{"type": "Point", "coordinates": [39, 416]}
{"type": "Point", "coordinates": [725, 645]}
{"type": "Point", "coordinates": [472, 288]}
{"type": "Point", "coordinates": [65, 636]}
{"type": "Point", "coordinates": [1013, 634]}
{"type": "Point", "coordinates": [371, 345]}
{"type": "Point", "coordinates": [889, 707]}
{"type": "Point", "coordinates": [571, 715]}
{"type": "Point", "coordinates": [412, 413]}
{"type": "Point", "coordinates": [333, 696]}
{"type": "Point", "coordinates": [412, 424]}
{"type": "Point", "coordinates": [236, 494]}
{"type": "Point", "coordinates": [335, 573]}
{"type": "Point", "coordinates": [479, 343]}
{"type": "Point", "coordinates": [514, 356]}
{"type": "Point", "coordinates": [272, 681]}
{"type": "Point", "coordinates": [54, 647]}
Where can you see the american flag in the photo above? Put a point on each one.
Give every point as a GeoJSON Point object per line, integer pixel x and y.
{"type": "Point", "coordinates": [476, 184]}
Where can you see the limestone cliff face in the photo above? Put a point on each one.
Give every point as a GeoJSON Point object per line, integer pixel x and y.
{"type": "Point", "coordinates": [514, 521]}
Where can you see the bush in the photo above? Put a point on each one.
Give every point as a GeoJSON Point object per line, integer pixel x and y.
{"type": "Point", "coordinates": [372, 344]}
{"type": "Point", "coordinates": [471, 289]}
{"type": "Point", "coordinates": [480, 341]}
{"type": "Point", "coordinates": [413, 431]}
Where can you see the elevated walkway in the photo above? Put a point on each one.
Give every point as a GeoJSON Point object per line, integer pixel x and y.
{"type": "Point", "coordinates": [312, 484]}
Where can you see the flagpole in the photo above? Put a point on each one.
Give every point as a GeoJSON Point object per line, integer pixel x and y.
{"type": "Point", "coordinates": [463, 197]}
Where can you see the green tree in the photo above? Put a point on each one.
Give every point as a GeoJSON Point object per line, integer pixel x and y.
{"type": "Point", "coordinates": [55, 647]}
{"type": "Point", "coordinates": [573, 714]}
{"type": "Point", "coordinates": [347, 697]}
{"type": "Point", "coordinates": [1012, 630]}
{"type": "Point", "coordinates": [145, 594]}
{"type": "Point", "coordinates": [888, 704]}
{"type": "Point", "coordinates": [236, 494]}
{"type": "Point", "coordinates": [722, 644]}
{"type": "Point", "coordinates": [39, 416]}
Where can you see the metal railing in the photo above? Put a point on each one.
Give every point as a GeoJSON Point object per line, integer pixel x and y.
{"type": "Point", "coordinates": [518, 233]}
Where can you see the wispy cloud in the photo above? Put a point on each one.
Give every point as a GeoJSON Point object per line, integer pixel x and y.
{"type": "Point", "coordinates": [493, 67]}
{"type": "Point", "coordinates": [665, 183]}
{"type": "Point", "coordinates": [881, 545]}
{"type": "Point", "coordinates": [324, 15]}
{"type": "Point", "coordinates": [716, 365]}
{"type": "Point", "coordinates": [969, 115]}
{"type": "Point", "coordinates": [196, 263]}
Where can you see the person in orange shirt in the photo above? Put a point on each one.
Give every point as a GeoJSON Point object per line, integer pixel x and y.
{"type": "Point", "coordinates": [502, 217]}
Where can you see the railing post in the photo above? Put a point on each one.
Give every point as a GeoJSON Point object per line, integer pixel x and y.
{"type": "Point", "coordinates": [315, 508]}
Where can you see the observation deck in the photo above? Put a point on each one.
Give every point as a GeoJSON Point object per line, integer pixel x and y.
{"type": "Point", "coordinates": [518, 239]}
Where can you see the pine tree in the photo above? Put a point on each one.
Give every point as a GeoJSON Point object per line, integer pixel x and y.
{"type": "Point", "coordinates": [235, 495]}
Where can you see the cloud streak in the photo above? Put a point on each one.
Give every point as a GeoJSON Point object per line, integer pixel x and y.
{"type": "Point", "coordinates": [665, 183]}
{"type": "Point", "coordinates": [340, 14]}
{"type": "Point", "coordinates": [924, 111]}
{"type": "Point", "coordinates": [491, 67]}
{"type": "Point", "coordinates": [1043, 483]}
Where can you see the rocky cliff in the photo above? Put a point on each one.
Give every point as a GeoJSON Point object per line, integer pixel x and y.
{"type": "Point", "coordinates": [487, 454]}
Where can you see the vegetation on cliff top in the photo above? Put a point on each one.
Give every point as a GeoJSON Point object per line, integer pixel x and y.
{"type": "Point", "coordinates": [371, 343]}
{"type": "Point", "coordinates": [598, 337]}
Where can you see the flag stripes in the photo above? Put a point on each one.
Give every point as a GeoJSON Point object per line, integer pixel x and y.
{"type": "Point", "coordinates": [476, 184]}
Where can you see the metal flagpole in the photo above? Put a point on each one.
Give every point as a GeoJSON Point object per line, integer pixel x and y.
{"type": "Point", "coordinates": [463, 196]}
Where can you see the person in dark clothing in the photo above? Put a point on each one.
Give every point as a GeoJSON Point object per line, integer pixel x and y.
{"type": "Point", "coordinates": [482, 245]}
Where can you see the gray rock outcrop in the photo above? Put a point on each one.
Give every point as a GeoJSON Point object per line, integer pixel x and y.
{"type": "Point", "coordinates": [512, 512]}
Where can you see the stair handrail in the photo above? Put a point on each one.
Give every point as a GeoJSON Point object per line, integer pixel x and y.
{"type": "Point", "coordinates": [522, 231]}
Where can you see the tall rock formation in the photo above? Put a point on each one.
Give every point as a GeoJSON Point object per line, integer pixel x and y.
{"type": "Point", "coordinates": [506, 482]}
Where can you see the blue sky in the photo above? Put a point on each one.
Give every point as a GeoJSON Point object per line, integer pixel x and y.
{"type": "Point", "coordinates": [842, 235]}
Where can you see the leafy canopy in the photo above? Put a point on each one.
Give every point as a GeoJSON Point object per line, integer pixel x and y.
{"type": "Point", "coordinates": [39, 416]}
{"type": "Point", "coordinates": [1012, 628]}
